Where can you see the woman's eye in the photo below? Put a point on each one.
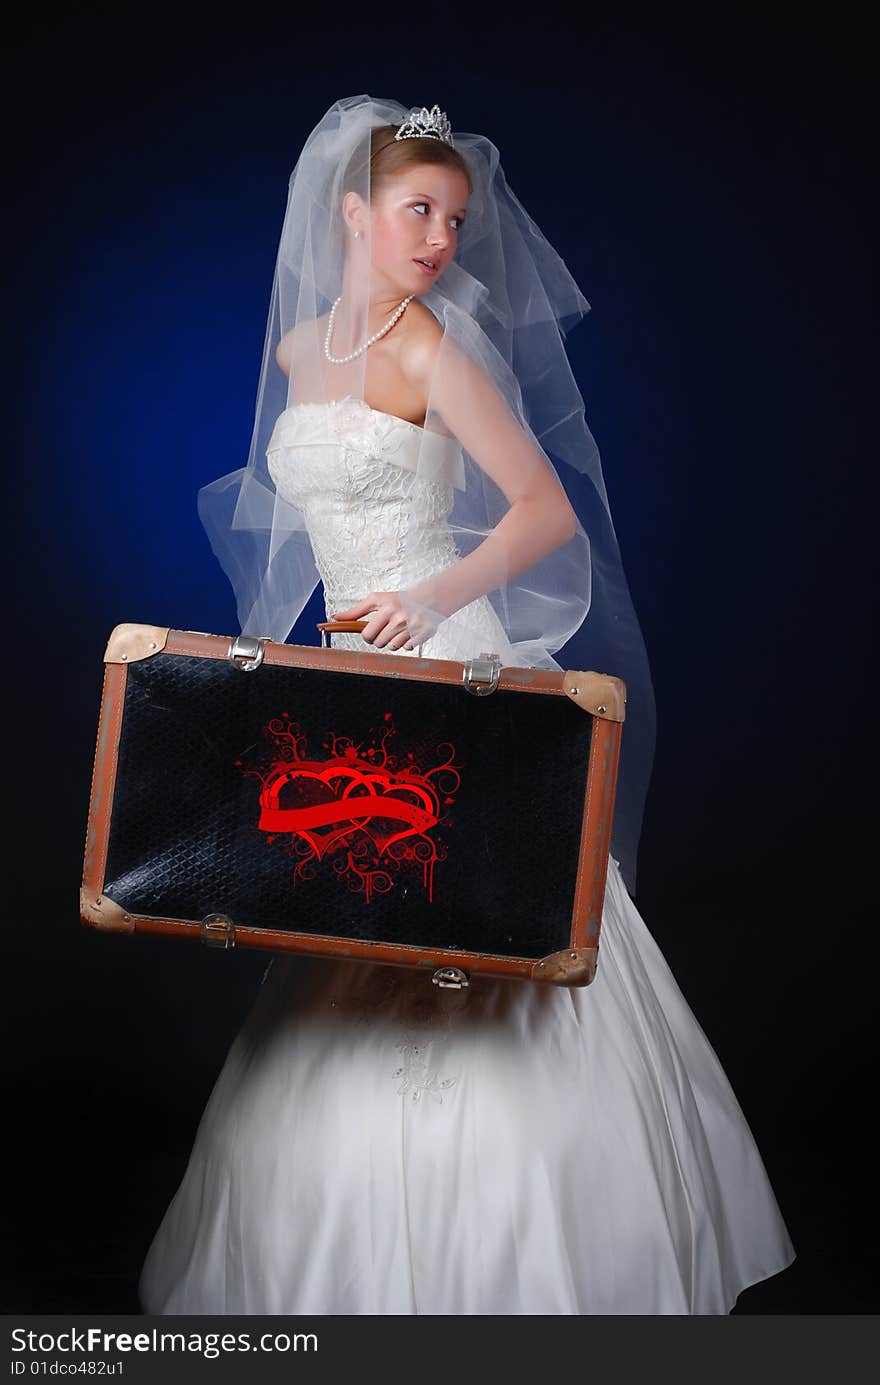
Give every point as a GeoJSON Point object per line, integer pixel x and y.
{"type": "Point", "coordinates": [456, 219]}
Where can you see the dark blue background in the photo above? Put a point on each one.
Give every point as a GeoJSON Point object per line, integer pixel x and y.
{"type": "Point", "coordinates": [707, 177]}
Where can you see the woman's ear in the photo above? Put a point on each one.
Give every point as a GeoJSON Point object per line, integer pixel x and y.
{"type": "Point", "coordinates": [354, 212]}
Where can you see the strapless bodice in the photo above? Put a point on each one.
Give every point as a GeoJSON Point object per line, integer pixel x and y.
{"type": "Point", "coordinates": [352, 426]}
{"type": "Point", "coordinates": [375, 493]}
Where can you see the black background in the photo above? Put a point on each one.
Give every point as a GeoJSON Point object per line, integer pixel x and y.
{"type": "Point", "coordinates": [707, 175]}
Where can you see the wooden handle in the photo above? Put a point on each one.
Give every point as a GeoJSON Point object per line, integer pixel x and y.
{"type": "Point", "coordinates": [349, 627]}
{"type": "Point", "coordinates": [342, 627]}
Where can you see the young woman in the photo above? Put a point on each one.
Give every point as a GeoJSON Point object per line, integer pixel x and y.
{"type": "Point", "coordinates": [373, 1144]}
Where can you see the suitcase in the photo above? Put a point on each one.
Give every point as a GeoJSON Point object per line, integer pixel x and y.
{"type": "Point", "coordinates": [449, 816]}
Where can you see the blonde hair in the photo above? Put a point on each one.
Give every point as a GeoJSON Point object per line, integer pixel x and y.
{"type": "Point", "coordinates": [389, 156]}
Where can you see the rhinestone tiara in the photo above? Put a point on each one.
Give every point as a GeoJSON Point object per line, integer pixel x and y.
{"type": "Point", "coordinates": [426, 124]}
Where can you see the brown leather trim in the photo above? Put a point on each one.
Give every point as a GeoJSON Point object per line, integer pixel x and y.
{"type": "Point", "coordinates": [589, 897]}
{"type": "Point", "coordinates": [380, 665]}
{"type": "Point", "coordinates": [369, 661]}
{"type": "Point", "coordinates": [104, 776]}
{"type": "Point", "coordinates": [128, 643]}
{"type": "Point", "coordinates": [569, 968]}
{"type": "Point", "coordinates": [601, 694]}
{"type": "Point", "coordinates": [268, 939]}
{"type": "Point", "coordinates": [515, 677]}
{"type": "Point", "coordinates": [100, 912]}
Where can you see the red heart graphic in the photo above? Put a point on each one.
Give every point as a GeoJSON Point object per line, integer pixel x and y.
{"type": "Point", "coordinates": [326, 800]}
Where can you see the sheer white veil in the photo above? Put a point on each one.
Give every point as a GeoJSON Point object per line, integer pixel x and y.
{"type": "Point", "coordinates": [504, 305]}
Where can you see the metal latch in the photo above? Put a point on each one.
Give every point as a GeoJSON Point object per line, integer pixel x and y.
{"type": "Point", "coordinates": [246, 652]}
{"type": "Point", "coordinates": [450, 976]}
{"type": "Point", "coordinates": [218, 930]}
{"type": "Point", "coordinates": [480, 676]}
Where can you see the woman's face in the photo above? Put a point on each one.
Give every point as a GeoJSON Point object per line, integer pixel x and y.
{"type": "Point", "coordinates": [416, 216]}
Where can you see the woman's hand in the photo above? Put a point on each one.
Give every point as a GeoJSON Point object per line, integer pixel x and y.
{"type": "Point", "coordinates": [388, 626]}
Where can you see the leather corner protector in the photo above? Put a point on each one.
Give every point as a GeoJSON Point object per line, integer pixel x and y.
{"type": "Point", "coordinates": [601, 694]}
{"type": "Point", "coordinates": [97, 911]}
{"type": "Point", "coordinates": [571, 967]}
{"type": "Point", "coordinates": [129, 643]}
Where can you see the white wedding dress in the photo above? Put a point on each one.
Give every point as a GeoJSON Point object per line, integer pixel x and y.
{"type": "Point", "coordinates": [377, 1145]}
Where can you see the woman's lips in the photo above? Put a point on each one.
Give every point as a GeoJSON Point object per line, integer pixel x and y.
{"type": "Point", "coordinates": [426, 269]}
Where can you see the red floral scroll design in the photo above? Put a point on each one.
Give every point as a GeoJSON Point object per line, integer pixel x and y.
{"type": "Point", "coordinates": [373, 814]}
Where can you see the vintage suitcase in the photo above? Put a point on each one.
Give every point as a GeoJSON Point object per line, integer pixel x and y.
{"type": "Point", "coordinates": [453, 817]}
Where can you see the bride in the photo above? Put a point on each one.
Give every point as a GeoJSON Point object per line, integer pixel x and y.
{"type": "Point", "coordinates": [375, 1145]}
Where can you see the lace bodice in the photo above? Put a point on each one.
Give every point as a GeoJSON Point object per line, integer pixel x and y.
{"type": "Point", "coordinates": [376, 493]}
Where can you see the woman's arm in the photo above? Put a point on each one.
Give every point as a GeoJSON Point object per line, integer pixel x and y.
{"type": "Point", "coordinates": [540, 517]}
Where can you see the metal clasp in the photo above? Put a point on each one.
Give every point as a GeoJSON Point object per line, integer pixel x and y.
{"type": "Point", "coordinates": [246, 652]}
{"type": "Point", "coordinates": [218, 930]}
{"type": "Point", "coordinates": [450, 976]}
{"type": "Point", "coordinates": [480, 676]}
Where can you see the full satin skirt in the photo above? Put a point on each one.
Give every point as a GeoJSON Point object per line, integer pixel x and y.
{"type": "Point", "coordinates": [377, 1145]}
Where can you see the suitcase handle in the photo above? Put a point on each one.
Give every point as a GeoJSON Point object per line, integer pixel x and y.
{"type": "Point", "coordinates": [347, 627]}
{"type": "Point", "coordinates": [338, 627]}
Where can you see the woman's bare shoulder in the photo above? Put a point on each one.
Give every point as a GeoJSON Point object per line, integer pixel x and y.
{"type": "Point", "coordinates": [421, 319]}
{"type": "Point", "coordinates": [421, 344]}
{"type": "Point", "coordinates": [298, 336]}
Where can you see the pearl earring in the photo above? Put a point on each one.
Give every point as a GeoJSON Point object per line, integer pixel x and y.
{"type": "Point", "coordinates": [357, 235]}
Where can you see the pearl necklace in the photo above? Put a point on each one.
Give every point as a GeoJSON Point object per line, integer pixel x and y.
{"type": "Point", "coordinates": [341, 360]}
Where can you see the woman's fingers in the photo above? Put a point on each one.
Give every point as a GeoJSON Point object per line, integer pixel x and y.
{"type": "Point", "coordinates": [376, 627]}
{"type": "Point", "coordinates": [387, 624]}
{"type": "Point", "coordinates": [393, 637]}
{"type": "Point", "coordinates": [391, 632]}
{"type": "Point", "coordinates": [391, 640]}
